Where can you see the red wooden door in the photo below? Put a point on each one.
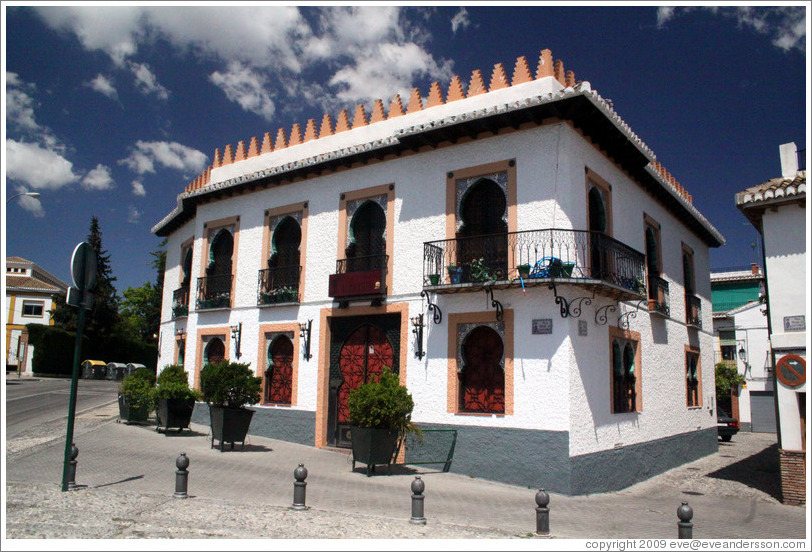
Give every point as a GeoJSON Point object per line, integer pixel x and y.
{"type": "Point", "coordinates": [279, 376]}
{"type": "Point", "coordinates": [363, 356]}
{"type": "Point", "coordinates": [482, 379]}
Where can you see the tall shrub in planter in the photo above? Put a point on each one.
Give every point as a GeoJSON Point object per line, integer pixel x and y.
{"type": "Point", "coordinates": [174, 399]}
{"type": "Point", "coordinates": [135, 396]}
{"type": "Point", "coordinates": [227, 387]}
{"type": "Point", "coordinates": [380, 416]}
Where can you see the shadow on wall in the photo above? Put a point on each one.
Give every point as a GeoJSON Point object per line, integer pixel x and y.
{"type": "Point", "coordinates": [760, 471]}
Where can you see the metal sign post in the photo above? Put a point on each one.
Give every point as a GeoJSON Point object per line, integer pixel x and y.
{"type": "Point", "coordinates": [83, 273]}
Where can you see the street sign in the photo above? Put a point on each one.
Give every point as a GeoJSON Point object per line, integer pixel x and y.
{"type": "Point", "coordinates": [791, 370]}
{"type": "Point", "coordinates": [83, 266]}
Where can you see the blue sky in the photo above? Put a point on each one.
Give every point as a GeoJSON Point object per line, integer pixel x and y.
{"type": "Point", "coordinates": [112, 110]}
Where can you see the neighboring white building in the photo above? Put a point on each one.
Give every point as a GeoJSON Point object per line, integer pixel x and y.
{"type": "Point", "coordinates": [30, 293]}
{"type": "Point", "coordinates": [592, 373]}
{"type": "Point", "coordinates": [777, 208]}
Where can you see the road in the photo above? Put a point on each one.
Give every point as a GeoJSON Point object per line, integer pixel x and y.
{"type": "Point", "coordinates": [32, 402]}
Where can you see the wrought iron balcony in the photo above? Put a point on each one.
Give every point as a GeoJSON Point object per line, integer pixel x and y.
{"type": "Point", "coordinates": [658, 295]}
{"type": "Point", "coordinates": [359, 277]}
{"type": "Point", "coordinates": [278, 285]}
{"type": "Point", "coordinates": [180, 302]}
{"type": "Point", "coordinates": [534, 257]}
{"type": "Point", "coordinates": [693, 310]}
{"type": "Point", "coordinates": [214, 292]}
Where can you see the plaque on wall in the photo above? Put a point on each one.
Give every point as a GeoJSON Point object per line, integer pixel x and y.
{"type": "Point", "coordinates": [582, 327]}
{"type": "Point", "coordinates": [794, 323]}
{"type": "Point", "coordinates": [543, 326]}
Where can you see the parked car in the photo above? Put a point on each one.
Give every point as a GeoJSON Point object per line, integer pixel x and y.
{"type": "Point", "coordinates": [726, 425]}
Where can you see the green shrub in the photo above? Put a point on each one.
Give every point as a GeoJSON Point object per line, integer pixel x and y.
{"type": "Point", "coordinates": [173, 383]}
{"type": "Point", "coordinates": [382, 404]}
{"type": "Point", "coordinates": [726, 376]}
{"type": "Point", "coordinates": [137, 388]}
{"type": "Point", "coordinates": [230, 384]}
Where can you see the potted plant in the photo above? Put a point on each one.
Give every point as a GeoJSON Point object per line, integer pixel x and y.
{"type": "Point", "coordinates": [135, 398]}
{"type": "Point", "coordinates": [479, 270]}
{"type": "Point", "coordinates": [524, 270]}
{"type": "Point", "coordinates": [227, 387]}
{"type": "Point", "coordinates": [434, 279]}
{"type": "Point", "coordinates": [380, 416]}
{"type": "Point", "coordinates": [174, 399]}
{"type": "Point", "coordinates": [454, 274]}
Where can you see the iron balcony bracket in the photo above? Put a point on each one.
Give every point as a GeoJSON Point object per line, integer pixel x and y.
{"type": "Point", "coordinates": [602, 314]}
{"type": "Point", "coordinates": [623, 319]}
{"type": "Point", "coordinates": [569, 307]}
{"type": "Point", "coordinates": [500, 311]}
{"type": "Point", "coordinates": [437, 317]}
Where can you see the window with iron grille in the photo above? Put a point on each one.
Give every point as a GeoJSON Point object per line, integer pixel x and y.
{"type": "Point", "coordinates": [624, 376]}
{"type": "Point", "coordinates": [482, 378]}
{"type": "Point", "coordinates": [692, 378]}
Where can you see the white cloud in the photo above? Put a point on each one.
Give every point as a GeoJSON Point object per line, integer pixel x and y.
{"type": "Point", "coordinates": [104, 86]}
{"type": "Point", "coordinates": [173, 155]}
{"type": "Point", "coordinates": [247, 88]}
{"type": "Point", "coordinates": [146, 81]}
{"type": "Point", "coordinates": [785, 25]}
{"type": "Point", "coordinates": [133, 215]}
{"type": "Point", "coordinates": [19, 105]}
{"type": "Point", "coordinates": [98, 179]}
{"type": "Point", "coordinates": [38, 167]}
{"type": "Point", "coordinates": [460, 20]}
{"type": "Point", "coordinates": [138, 189]}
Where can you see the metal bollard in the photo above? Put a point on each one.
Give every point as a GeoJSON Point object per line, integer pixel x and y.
{"type": "Point", "coordinates": [417, 501]}
{"type": "Point", "coordinates": [299, 488]}
{"type": "Point", "coordinates": [542, 513]}
{"type": "Point", "coordinates": [685, 529]}
{"type": "Point", "coordinates": [181, 476]}
{"type": "Point", "coordinates": [74, 452]}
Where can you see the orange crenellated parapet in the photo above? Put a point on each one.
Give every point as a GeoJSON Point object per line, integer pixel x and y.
{"type": "Point", "coordinates": [455, 91]}
{"type": "Point", "coordinates": [295, 135]}
{"type": "Point", "coordinates": [570, 79]}
{"type": "Point", "coordinates": [253, 147]}
{"type": "Point", "coordinates": [476, 86]}
{"type": "Point", "coordinates": [360, 117]}
{"type": "Point", "coordinates": [435, 95]}
{"type": "Point", "coordinates": [267, 143]}
{"type": "Point", "coordinates": [415, 102]}
{"type": "Point", "coordinates": [310, 130]}
{"type": "Point", "coordinates": [558, 71]}
{"type": "Point", "coordinates": [498, 78]}
{"type": "Point", "coordinates": [396, 107]}
{"type": "Point", "coordinates": [545, 67]}
{"type": "Point", "coordinates": [218, 161]}
{"type": "Point", "coordinates": [281, 140]}
{"type": "Point", "coordinates": [343, 123]}
{"type": "Point", "coordinates": [326, 126]}
{"type": "Point", "coordinates": [240, 155]}
{"type": "Point", "coordinates": [228, 156]}
{"type": "Point", "coordinates": [378, 113]}
{"type": "Point", "coordinates": [521, 72]}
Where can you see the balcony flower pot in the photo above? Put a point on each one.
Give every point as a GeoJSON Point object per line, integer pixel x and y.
{"type": "Point", "coordinates": [454, 274]}
{"type": "Point", "coordinates": [434, 279]}
{"type": "Point", "coordinates": [524, 270]}
{"type": "Point", "coordinates": [135, 396]}
{"type": "Point", "coordinates": [228, 387]}
{"type": "Point", "coordinates": [380, 417]}
{"type": "Point", "coordinates": [174, 399]}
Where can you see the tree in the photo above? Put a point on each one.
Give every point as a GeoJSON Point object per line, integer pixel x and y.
{"type": "Point", "coordinates": [140, 309]}
{"type": "Point", "coordinates": [727, 376]}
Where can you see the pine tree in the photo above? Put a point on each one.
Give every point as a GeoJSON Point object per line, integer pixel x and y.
{"type": "Point", "coordinates": [104, 314]}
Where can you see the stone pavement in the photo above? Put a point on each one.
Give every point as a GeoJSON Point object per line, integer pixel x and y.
{"type": "Point", "coordinates": [127, 479]}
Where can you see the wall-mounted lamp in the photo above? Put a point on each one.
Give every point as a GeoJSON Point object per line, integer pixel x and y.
{"type": "Point", "coordinates": [304, 333]}
{"type": "Point", "coordinates": [417, 330]}
{"type": "Point", "coordinates": [180, 333]}
{"type": "Point", "coordinates": [236, 335]}
{"type": "Point", "coordinates": [742, 354]}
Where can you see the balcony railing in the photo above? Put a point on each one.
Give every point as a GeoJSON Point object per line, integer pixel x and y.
{"type": "Point", "coordinates": [359, 277]}
{"type": "Point", "coordinates": [577, 256]}
{"type": "Point", "coordinates": [693, 310]}
{"type": "Point", "coordinates": [278, 285]}
{"type": "Point", "coordinates": [658, 295]}
{"type": "Point", "coordinates": [214, 292]}
{"type": "Point", "coordinates": [180, 302]}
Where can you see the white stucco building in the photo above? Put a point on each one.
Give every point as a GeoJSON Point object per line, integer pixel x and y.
{"type": "Point", "coordinates": [777, 208]}
{"type": "Point", "coordinates": [590, 373]}
{"type": "Point", "coordinates": [30, 292]}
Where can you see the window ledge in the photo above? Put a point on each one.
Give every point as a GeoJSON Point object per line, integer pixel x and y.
{"type": "Point", "coordinates": [481, 414]}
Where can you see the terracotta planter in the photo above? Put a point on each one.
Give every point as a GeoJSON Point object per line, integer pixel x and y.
{"type": "Point", "coordinates": [373, 446]}
{"type": "Point", "coordinates": [128, 415]}
{"type": "Point", "coordinates": [229, 425]}
{"type": "Point", "coordinates": [175, 413]}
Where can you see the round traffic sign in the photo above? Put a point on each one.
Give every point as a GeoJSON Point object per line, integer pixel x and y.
{"type": "Point", "coordinates": [791, 370]}
{"type": "Point", "coordinates": [83, 266]}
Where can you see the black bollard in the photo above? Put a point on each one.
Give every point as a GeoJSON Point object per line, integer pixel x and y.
{"type": "Point", "coordinates": [74, 452]}
{"type": "Point", "coordinates": [417, 501]}
{"type": "Point", "coordinates": [299, 488]}
{"type": "Point", "coordinates": [542, 513]}
{"type": "Point", "coordinates": [181, 476]}
{"type": "Point", "coordinates": [685, 529]}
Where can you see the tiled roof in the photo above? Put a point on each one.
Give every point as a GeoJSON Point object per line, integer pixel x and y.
{"type": "Point", "coordinates": [27, 283]}
{"type": "Point", "coordinates": [739, 275]}
{"type": "Point", "coordinates": [774, 189]}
